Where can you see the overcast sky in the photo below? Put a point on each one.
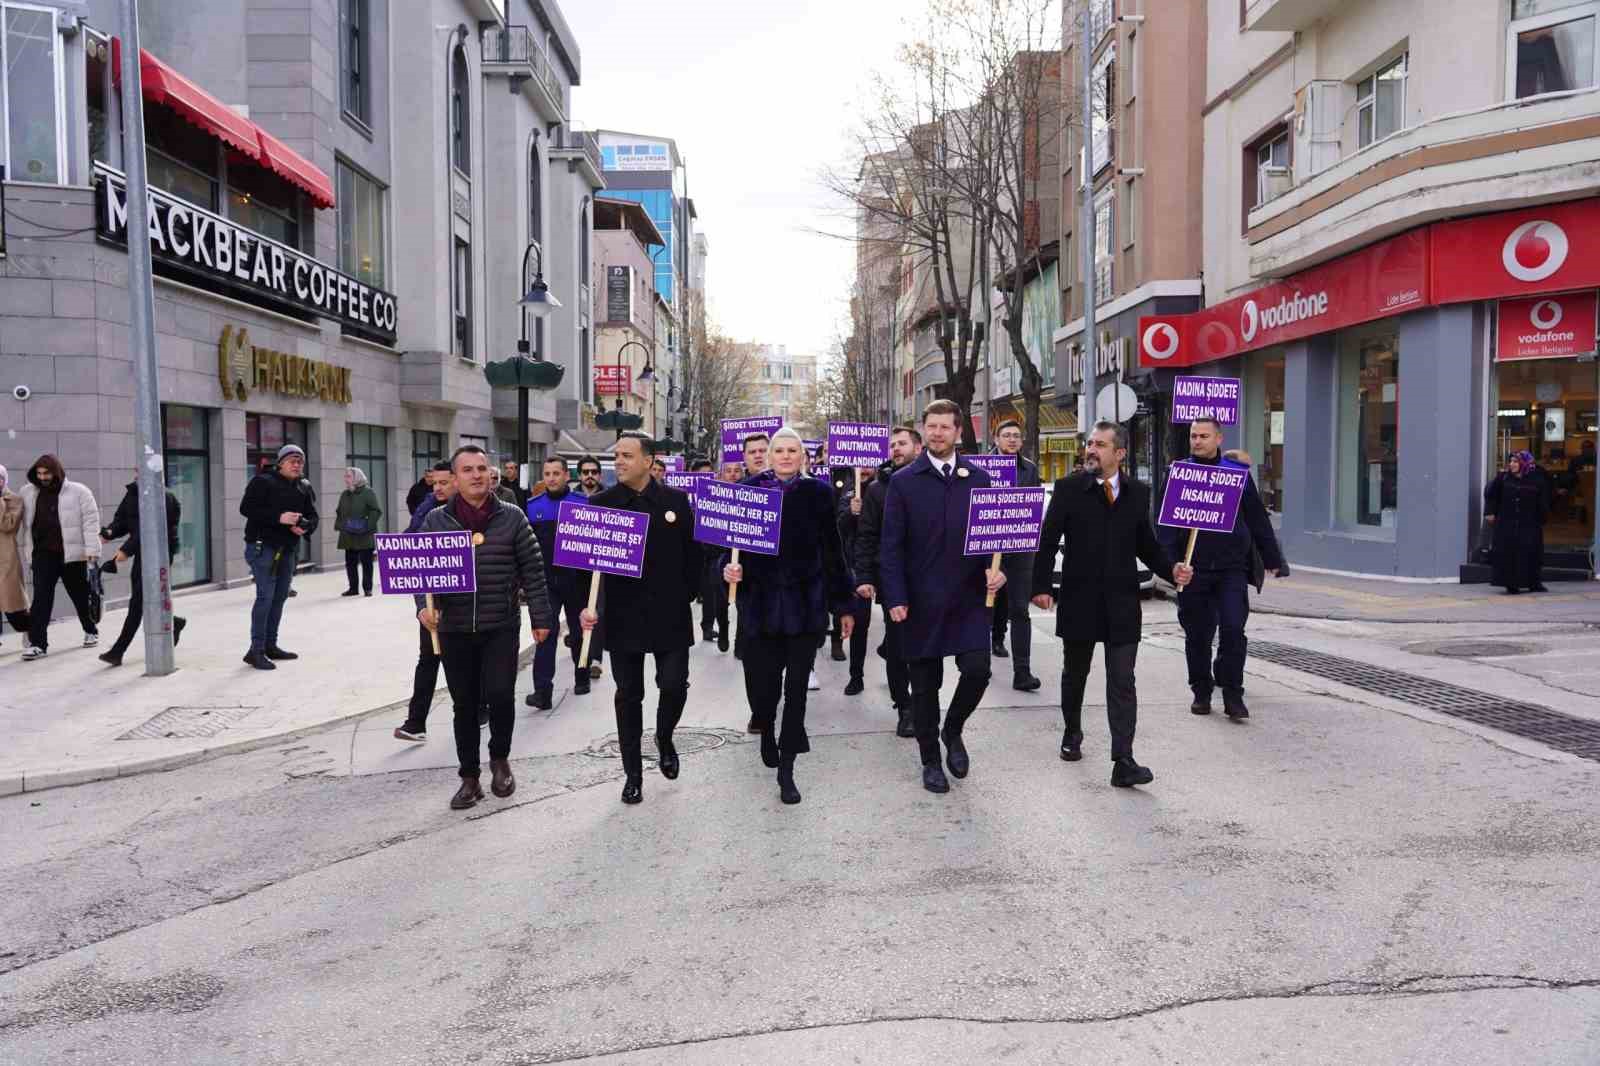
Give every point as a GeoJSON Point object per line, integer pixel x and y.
{"type": "Point", "coordinates": [759, 97]}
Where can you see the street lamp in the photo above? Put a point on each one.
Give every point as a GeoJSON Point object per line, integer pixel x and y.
{"type": "Point", "coordinates": [528, 371]}
{"type": "Point", "coordinates": [617, 419]}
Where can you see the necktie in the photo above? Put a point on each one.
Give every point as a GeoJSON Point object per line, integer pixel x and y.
{"type": "Point", "coordinates": [1111, 497]}
{"type": "Point", "coordinates": [944, 471]}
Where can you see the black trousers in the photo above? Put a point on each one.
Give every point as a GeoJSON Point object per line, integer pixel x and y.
{"type": "Point", "coordinates": [424, 681]}
{"type": "Point", "coordinates": [894, 662]}
{"type": "Point", "coordinates": [1122, 698]}
{"type": "Point", "coordinates": [130, 624]}
{"type": "Point", "coordinates": [927, 675]}
{"type": "Point", "coordinates": [861, 611]}
{"type": "Point", "coordinates": [1011, 607]}
{"type": "Point", "coordinates": [713, 604]}
{"type": "Point", "coordinates": [672, 688]}
{"type": "Point", "coordinates": [48, 568]}
{"type": "Point", "coordinates": [1215, 600]}
{"type": "Point", "coordinates": [364, 558]}
{"type": "Point", "coordinates": [777, 668]}
{"type": "Point", "coordinates": [21, 622]}
{"type": "Point", "coordinates": [481, 669]}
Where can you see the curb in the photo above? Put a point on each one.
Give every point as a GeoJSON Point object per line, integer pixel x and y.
{"type": "Point", "coordinates": [39, 781]}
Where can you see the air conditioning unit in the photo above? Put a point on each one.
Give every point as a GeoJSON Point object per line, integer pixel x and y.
{"type": "Point", "coordinates": [1318, 114]}
{"type": "Point", "coordinates": [1278, 180]}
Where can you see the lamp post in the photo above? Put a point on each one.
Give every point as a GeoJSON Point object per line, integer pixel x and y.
{"type": "Point", "coordinates": [542, 303]}
{"type": "Point", "coordinates": [617, 418]}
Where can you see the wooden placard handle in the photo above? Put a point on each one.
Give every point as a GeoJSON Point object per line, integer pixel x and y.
{"type": "Point", "coordinates": [994, 564]}
{"type": "Point", "coordinates": [733, 590]}
{"type": "Point", "coordinates": [588, 634]}
{"type": "Point", "coordinates": [1189, 551]}
{"type": "Point", "coordinates": [434, 633]}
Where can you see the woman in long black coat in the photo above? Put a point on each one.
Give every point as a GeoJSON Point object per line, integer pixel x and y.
{"type": "Point", "coordinates": [784, 605]}
{"type": "Point", "coordinates": [1516, 505]}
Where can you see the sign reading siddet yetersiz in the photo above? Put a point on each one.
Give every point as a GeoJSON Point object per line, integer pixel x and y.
{"type": "Point", "coordinates": [608, 540]}
{"type": "Point", "coordinates": [417, 564]}
{"type": "Point", "coordinates": [1203, 497]}
{"type": "Point", "coordinates": [1002, 469]}
{"type": "Point", "coordinates": [1004, 520]}
{"type": "Point", "coordinates": [675, 479]}
{"type": "Point", "coordinates": [730, 515]}
{"type": "Point", "coordinates": [735, 430]}
{"type": "Point", "coordinates": [1196, 397]}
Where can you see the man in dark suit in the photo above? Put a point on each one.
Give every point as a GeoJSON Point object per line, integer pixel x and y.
{"type": "Point", "coordinates": [905, 444]}
{"type": "Point", "coordinates": [1101, 520]}
{"type": "Point", "coordinates": [650, 614]}
{"type": "Point", "coordinates": [1217, 598]}
{"type": "Point", "coordinates": [935, 590]}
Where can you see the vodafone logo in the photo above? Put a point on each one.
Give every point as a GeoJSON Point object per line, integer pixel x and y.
{"type": "Point", "coordinates": [1249, 321]}
{"type": "Point", "coordinates": [1535, 250]}
{"type": "Point", "coordinates": [1546, 314]}
{"type": "Point", "coordinates": [1286, 312]}
{"type": "Point", "coordinates": [1161, 341]}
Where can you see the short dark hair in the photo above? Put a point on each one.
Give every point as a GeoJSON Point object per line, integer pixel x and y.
{"type": "Point", "coordinates": [553, 459]}
{"type": "Point", "coordinates": [942, 407]}
{"type": "Point", "coordinates": [658, 461]}
{"type": "Point", "coordinates": [646, 445]}
{"type": "Point", "coordinates": [589, 460]}
{"type": "Point", "coordinates": [1216, 425]}
{"type": "Point", "coordinates": [915, 433]}
{"type": "Point", "coordinates": [466, 449]}
{"type": "Point", "coordinates": [1008, 423]}
{"type": "Point", "coordinates": [442, 467]}
{"type": "Point", "coordinates": [702, 464]}
{"type": "Point", "coordinates": [1119, 436]}
{"type": "Point", "coordinates": [755, 436]}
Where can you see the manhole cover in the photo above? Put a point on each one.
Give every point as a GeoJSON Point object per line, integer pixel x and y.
{"type": "Point", "coordinates": [1469, 649]}
{"type": "Point", "coordinates": [185, 722]}
{"type": "Point", "coordinates": [685, 740]}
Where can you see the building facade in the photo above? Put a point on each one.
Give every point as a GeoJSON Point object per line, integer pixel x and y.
{"type": "Point", "coordinates": [784, 382]}
{"type": "Point", "coordinates": [625, 313]}
{"type": "Point", "coordinates": [342, 203]}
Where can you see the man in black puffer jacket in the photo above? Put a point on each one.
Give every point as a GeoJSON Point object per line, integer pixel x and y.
{"type": "Point", "coordinates": [478, 630]}
{"type": "Point", "coordinates": [126, 524]}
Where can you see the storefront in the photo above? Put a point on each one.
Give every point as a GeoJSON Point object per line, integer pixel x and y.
{"type": "Point", "coordinates": [1384, 389]}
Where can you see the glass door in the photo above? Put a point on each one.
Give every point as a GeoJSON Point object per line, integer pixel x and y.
{"type": "Point", "coordinates": [1548, 407]}
{"type": "Point", "coordinates": [185, 440]}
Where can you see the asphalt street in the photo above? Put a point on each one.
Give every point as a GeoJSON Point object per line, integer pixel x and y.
{"type": "Point", "coordinates": [1340, 879]}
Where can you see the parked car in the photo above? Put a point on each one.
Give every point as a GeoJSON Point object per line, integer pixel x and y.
{"type": "Point", "coordinates": [1147, 580]}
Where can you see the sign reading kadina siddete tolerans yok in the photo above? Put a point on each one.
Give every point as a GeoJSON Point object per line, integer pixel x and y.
{"type": "Point", "coordinates": [1202, 397]}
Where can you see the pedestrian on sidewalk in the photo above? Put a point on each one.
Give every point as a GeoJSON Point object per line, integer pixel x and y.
{"type": "Point", "coordinates": [648, 615]}
{"type": "Point", "coordinates": [511, 478]}
{"type": "Point", "coordinates": [1100, 520]}
{"type": "Point", "coordinates": [423, 488]}
{"type": "Point", "coordinates": [60, 537]}
{"type": "Point", "coordinates": [357, 518]}
{"type": "Point", "coordinates": [905, 444]}
{"type": "Point", "coordinates": [1516, 505]}
{"type": "Point", "coordinates": [1011, 602]}
{"type": "Point", "coordinates": [502, 491]}
{"type": "Point", "coordinates": [425, 678]}
{"type": "Point", "coordinates": [851, 506]}
{"type": "Point", "coordinates": [591, 482]}
{"type": "Point", "coordinates": [786, 603]}
{"type": "Point", "coordinates": [13, 596]}
{"type": "Point", "coordinates": [1216, 604]}
{"type": "Point", "coordinates": [478, 630]}
{"type": "Point", "coordinates": [713, 590]}
{"type": "Point", "coordinates": [125, 523]}
{"type": "Point", "coordinates": [936, 590]}
{"type": "Point", "coordinates": [562, 584]}
{"type": "Point", "coordinates": [278, 508]}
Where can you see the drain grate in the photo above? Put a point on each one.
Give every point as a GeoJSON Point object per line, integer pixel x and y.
{"type": "Point", "coordinates": [1564, 732]}
{"type": "Point", "coordinates": [686, 741]}
{"type": "Point", "coordinates": [185, 722]}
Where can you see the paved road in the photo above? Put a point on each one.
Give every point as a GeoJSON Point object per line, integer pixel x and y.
{"type": "Point", "coordinates": [1338, 880]}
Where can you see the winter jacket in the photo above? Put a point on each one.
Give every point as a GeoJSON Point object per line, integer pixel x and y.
{"type": "Point", "coordinates": [76, 510]}
{"type": "Point", "coordinates": [361, 503]}
{"type": "Point", "coordinates": [269, 495]}
{"type": "Point", "coordinates": [793, 593]}
{"type": "Point", "coordinates": [125, 523]}
{"type": "Point", "coordinates": [542, 511]}
{"type": "Point", "coordinates": [508, 561]}
{"type": "Point", "coordinates": [869, 529]}
{"type": "Point", "coordinates": [651, 613]}
{"type": "Point", "coordinates": [1252, 532]}
{"type": "Point", "coordinates": [13, 596]}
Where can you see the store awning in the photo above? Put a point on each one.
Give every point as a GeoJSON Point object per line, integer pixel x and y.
{"type": "Point", "coordinates": [163, 85]}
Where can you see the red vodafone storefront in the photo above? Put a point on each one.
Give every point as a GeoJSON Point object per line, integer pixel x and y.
{"type": "Point", "coordinates": [1383, 389]}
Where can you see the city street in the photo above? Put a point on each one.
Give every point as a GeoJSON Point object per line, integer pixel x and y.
{"type": "Point", "coordinates": [1344, 878]}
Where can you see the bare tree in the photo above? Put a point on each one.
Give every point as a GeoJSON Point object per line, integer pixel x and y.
{"type": "Point", "coordinates": [841, 391]}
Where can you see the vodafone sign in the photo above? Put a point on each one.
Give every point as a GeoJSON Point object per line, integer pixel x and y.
{"type": "Point", "coordinates": [1547, 327]}
{"type": "Point", "coordinates": [1536, 250]}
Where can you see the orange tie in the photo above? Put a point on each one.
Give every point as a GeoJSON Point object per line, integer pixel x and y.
{"type": "Point", "coordinates": [1111, 499]}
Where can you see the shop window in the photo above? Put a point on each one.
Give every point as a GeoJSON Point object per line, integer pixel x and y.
{"type": "Point", "coordinates": [1369, 430]}
{"type": "Point", "coordinates": [362, 205]}
{"type": "Point", "coordinates": [30, 54]}
{"type": "Point", "coordinates": [1552, 46]}
{"type": "Point", "coordinates": [1549, 407]}
{"type": "Point", "coordinates": [1381, 102]}
{"type": "Point", "coordinates": [181, 158]}
{"type": "Point", "coordinates": [427, 450]}
{"type": "Point", "coordinates": [1264, 436]}
{"type": "Point", "coordinates": [367, 449]}
{"type": "Point", "coordinates": [185, 443]}
{"type": "Point", "coordinates": [355, 95]}
{"type": "Point", "coordinates": [259, 200]}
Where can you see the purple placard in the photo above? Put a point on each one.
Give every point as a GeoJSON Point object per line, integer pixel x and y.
{"type": "Point", "coordinates": [857, 444]}
{"type": "Point", "coordinates": [1195, 397]}
{"type": "Point", "coordinates": [684, 482]}
{"type": "Point", "coordinates": [1004, 520]}
{"type": "Point", "coordinates": [735, 430]}
{"type": "Point", "coordinates": [1203, 497]}
{"type": "Point", "coordinates": [605, 539]}
{"type": "Point", "coordinates": [673, 463]}
{"type": "Point", "coordinates": [731, 515]}
{"type": "Point", "coordinates": [415, 564]}
{"type": "Point", "coordinates": [1002, 469]}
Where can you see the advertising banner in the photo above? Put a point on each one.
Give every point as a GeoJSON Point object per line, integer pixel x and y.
{"type": "Point", "coordinates": [1545, 249]}
{"type": "Point", "coordinates": [1194, 397]}
{"type": "Point", "coordinates": [1547, 327]}
{"type": "Point", "coordinates": [613, 380]}
{"type": "Point", "coordinates": [1002, 469]}
{"type": "Point", "coordinates": [1004, 521]}
{"type": "Point", "coordinates": [857, 444]}
{"type": "Point", "coordinates": [619, 294]}
{"type": "Point", "coordinates": [735, 430]}
{"type": "Point", "coordinates": [746, 517]}
{"type": "Point", "coordinates": [1203, 497]}
{"type": "Point", "coordinates": [420, 564]}
{"type": "Point", "coordinates": [604, 539]}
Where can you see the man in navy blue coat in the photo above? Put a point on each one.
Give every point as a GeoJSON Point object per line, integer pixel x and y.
{"type": "Point", "coordinates": [935, 591]}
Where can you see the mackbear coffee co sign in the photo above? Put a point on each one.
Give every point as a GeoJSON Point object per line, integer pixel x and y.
{"type": "Point", "coordinates": [244, 368]}
{"type": "Point", "coordinates": [207, 244]}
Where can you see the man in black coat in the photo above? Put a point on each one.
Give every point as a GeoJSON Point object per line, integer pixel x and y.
{"type": "Point", "coordinates": [1011, 603]}
{"type": "Point", "coordinates": [905, 444]}
{"type": "Point", "coordinates": [279, 508]}
{"type": "Point", "coordinates": [651, 614]}
{"type": "Point", "coordinates": [1217, 598]}
{"type": "Point", "coordinates": [1100, 519]}
{"type": "Point", "coordinates": [543, 510]}
{"type": "Point", "coordinates": [126, 524]}
{"type": "Point", "coordinates": [478, 630]}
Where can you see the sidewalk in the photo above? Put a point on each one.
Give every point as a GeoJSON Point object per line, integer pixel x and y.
{"type": "Point", "coordinates": [1308, 595]}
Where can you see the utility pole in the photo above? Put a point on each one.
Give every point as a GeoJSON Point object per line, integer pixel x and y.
{"type": "Point", "coordinates": [1090, 366]}
{"type": "Point", "coordinates": [153, 561]}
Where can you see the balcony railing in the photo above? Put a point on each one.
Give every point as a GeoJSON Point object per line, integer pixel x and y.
{"type": "Point", "coordinates": [518, 46]}
{"type": "Point", "coordinates": [578, 141]}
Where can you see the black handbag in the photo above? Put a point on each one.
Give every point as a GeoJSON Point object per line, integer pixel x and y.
{"type": "Point", "coordinates": [97, 595]}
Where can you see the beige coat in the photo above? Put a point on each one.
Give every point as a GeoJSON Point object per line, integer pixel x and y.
{"type": "Point", "coordinates": [12, 595]}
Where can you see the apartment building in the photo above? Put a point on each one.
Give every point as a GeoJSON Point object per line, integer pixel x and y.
{"type": "Point", "coordinates": [784, 381]}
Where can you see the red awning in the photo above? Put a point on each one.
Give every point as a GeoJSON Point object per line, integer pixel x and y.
{"type": "Point", "coordinates": [165, 86]}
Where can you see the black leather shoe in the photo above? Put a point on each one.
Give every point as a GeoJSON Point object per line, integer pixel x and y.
{"type": "Point", "coordinates": [956, 755]}
{"type": "Point", "coordinates": [1071, 746]}
{"type": "Point", "coordinates": [907, 726]}
{"type": "Point", "coordinates": [1201, 705]}
{"type": "Point", "coordinates": [1538, 588]}
{"type": "Point", "coordinates": [754, 726]}
{"type": "Point", "coordinates": [177, 630]}
{"type": "Point", "coordinates": [259, 660]}
{"type": "Point", "coordinates": [467, 795]}
{"type": "Point", "coordinates": [668, 760]}
{"type": "Point", "coordinates": [769, 749]}
{"type": "Point", "coordinates": [855, 687]}
{"type": "Point", "coordinates": [786, 790]}
{"type": "Point", "coordinates": [539, 699]}
{"type": "Point", "coordinates": [580, 684]}
{"type": "Point", "coordinates": [349, 592]}
{"type": "Point", "coordinates": [1125, 773]}
{"type": "Point", "coordinates": [1026, 682]}
{"type": "Point", "coordinates": [111, 658]}
{"type": "Point", "coordinates": [838, 651]}
{"type": "Point", "coordinates": [1233, 706]}
{"type": "Point", "coordinates": [722, 640]}
{"type": "Point", "coordinates": [998, 650]}
{"type": "Point", "coordinates": [633, 791]}
{"type": "Point", "coordinates": [277, 654]}
{"type": "Point", "coordinates": [933, 779]}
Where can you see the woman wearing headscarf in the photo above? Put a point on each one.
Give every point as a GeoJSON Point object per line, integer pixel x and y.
{"type": "Point", "coordinates": [357, 520]}
{"type": "Point", "coordinates": [13, 597]}
{"type": "Point", "coordinates": [785, 601]}
{"type": "Point", "coordinates": [1516, 505]}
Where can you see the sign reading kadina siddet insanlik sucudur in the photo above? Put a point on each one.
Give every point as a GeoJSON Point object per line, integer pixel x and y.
{"type": "Point", "coordinates": [738, 517]}
{"type": "Point", "coordinates": [1200, 496]}
{"type": "Point", "coordinates": [1002, 469]}
{"type": "Point", "coordinates": [735, 430]}
{"type": "Point", "coordinates": [1197, 397]}
{"type": "Point", "coordinates": [606, 540]}
{"type": "Point", "coordinates": [1004, 521]}
{"type": "Point", "coordinates": [425, 564]}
